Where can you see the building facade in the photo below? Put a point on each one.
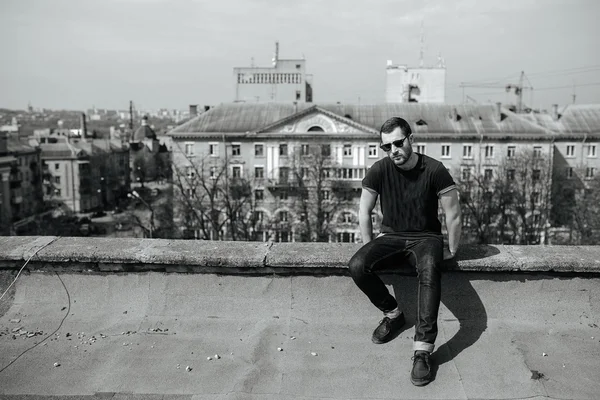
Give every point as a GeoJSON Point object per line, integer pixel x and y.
{"type": "Point", "coordinates": [263, 143]}
{"type": "Point", "coordinates": [285, 81]}
{"type": "Point", "coordinates": [406, 84]}
{"type": "Point", "coordinates": [82, 174]}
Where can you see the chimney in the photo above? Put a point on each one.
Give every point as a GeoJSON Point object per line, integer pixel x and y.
{"type": "Point", "coordinates": [555, 112]}
{"type": "Point", "coordinates": [499, 111]}
{"type": "Point", "coordinates": [389, 63]}
{"type": "Point", "coordinates": [83, 126]}
{"type": "Point", "coordinates": [193, 110]}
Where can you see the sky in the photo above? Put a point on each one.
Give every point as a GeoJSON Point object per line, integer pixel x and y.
{"type": "Point", "coordinates": [76, 54]}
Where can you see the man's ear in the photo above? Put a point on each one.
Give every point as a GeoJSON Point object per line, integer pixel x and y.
{"type": "Point", "coordinates": [411, 138]}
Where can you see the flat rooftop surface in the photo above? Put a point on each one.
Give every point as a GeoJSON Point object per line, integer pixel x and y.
{"type": "Point", "coordinates": [131, 336]}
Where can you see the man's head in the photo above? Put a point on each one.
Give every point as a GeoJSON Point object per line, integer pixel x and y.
{"type": "Point", "coordinates": [396, 139]}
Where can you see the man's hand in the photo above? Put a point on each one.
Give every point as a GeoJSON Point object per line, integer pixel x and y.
{"type": "Point", "coordinates": [447, 254]}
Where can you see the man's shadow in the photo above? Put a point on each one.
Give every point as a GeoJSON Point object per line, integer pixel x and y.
{"type": "Point", "coordinates": [458, 295]}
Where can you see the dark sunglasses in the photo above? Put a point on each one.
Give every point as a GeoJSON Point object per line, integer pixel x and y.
{"type": "Point", "coordinates": [397, 143]}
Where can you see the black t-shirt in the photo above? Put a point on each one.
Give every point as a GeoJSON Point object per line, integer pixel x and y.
{"type": "Point", "coordinates": [409, 199]}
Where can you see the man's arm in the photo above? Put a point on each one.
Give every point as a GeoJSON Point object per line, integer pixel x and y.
{"type": "Point", "coordinates": [451, 207]}
{"type": "Point", "coordinates": [367, 204]}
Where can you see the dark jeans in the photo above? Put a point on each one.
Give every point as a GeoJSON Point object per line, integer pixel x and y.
{"type": "Point", "coordinates": [392, 251]}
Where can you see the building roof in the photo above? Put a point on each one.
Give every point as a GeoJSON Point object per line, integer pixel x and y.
{"type": "Point", "coordinates": [142, 133]}
{"type": "Point", "coordinates": [61, 150]}
{"type": "Point", "coordinates": [574, 119]}
{"type": "Point", "coordinates": [433, 118]}
{"type": "Point", "coordinates": [15, 146]}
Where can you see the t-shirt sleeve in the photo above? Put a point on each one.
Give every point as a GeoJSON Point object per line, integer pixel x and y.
{"type": "Point", "coordinates": [372, 180]}
{"type": "Point", "coordinates": [442, 180]}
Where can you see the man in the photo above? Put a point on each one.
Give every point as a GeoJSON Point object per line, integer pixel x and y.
{"type": "Point", "coordinates": [409, 186]}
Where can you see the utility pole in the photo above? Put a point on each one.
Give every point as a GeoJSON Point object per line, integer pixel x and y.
{"type": "Point", "coordinates": [130, 119]}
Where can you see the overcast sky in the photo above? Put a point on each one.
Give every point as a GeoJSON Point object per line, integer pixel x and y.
{"type": "Point", "coordinates": [75, 54]}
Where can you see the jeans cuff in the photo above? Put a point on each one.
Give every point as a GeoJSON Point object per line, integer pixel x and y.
{"type": "Point", "coordinates": [424, 346]}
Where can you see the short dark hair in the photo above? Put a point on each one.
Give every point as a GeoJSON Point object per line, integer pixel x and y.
{"type": "Point", "coordinates": [393, 123]}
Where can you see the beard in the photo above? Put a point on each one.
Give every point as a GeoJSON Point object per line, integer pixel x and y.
{"type": "Point", "coordinates": [401, 158]}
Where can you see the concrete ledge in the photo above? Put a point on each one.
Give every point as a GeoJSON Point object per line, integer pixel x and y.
{"type": "Point", "coordinates": [188, 256]}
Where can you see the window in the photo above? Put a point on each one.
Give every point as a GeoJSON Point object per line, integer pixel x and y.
{"type": "Point", "coordinates": [590, 172]}
{"type": "Point", "coordinates": [536, 174]}
{"type": "Point", "coordinates": [326, 172]}
{"type": "Point", "coordinates": [489, 151]}
{"type": "Point", "coordinates": [304, 172]}
{"type": "Point", "coordinates": [372, 150]}
{"type": "Point", "coordinates": [56, 166]}
{"type": "Point", "coordinates": [236, 171]}
{"type": "Point", "coordinates": [488, 173]}
{"type": "Point", "coordinates": [283, 149]}
{"type": "Point", "coordinates": [283, 195]}
{"type": "Point", "coordinates": [325, 194]}
{"type": "Point", "coordinates": [235, 150]}
{"type": "Point", "coordinates": [57, 192]}
{"type": "Point", "coordinates": [283, 216]}
{"type": "Point", "coordinates": [259, 194]}
{"type": "Point", "coordinates": [373, 218]}
{"type": "Point", "coordinates": [421, 148]}
{"type": "Point", "coordinates": [57, 180]}
{"type": "Point", "coordinates": [346, 217]}
{"type": "Point", "coordinates": [213, 149]}
{"type": "Point", "coordinates": [510, 174]}
{"type": "Point", "coordinates": [259, 150]}
{"type": "Point", "coordinates": [189, 171]}
{"type": "Point", "coordinates": [259, 172]}
{"type": "Point", "coordinates": [284, 173]}
{"type": "Point", "coordinates": [189, 149]}
{"type": "Point", "coordinates": [347, 150]}
{"type": "Point", "coordinates": [298, 94]}
{"type": "Point", "coordinates": [467, 151]}
{"type": "Point", "coordinates": [466, 174]}
{"type": "Point", "coordinates": [570, 150]}
{"type": "Point", "coordinates": [304, 150]}
{"type": "Point", "coordinates": [282, 236]}
{"type": "Point", "coordinates": [213, 172]}
{"type": "Point", "coordinates": [326, 216]}
{"type": "Point", "coordinates": [512, 150]}
{"type": "Point", "coordinates": [326, 150]}
{"type": "Point", "coordinates": [537, 151]}
{"type": "Point", "coordinates": [591, 150]}
{"type": "Point", "coordinates": [535, 197]}
{"type": "Point", "coordinates": [345, 237]}
{"type": "Point", "coordinates": [446, 151]}
{"type": "Point", "coordinates": [569, 172]}
{"type": "Point", "coordinates": [259, 216]}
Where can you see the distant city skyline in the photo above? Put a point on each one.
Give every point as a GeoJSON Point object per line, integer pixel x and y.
{"type": "Point", "coordinates": [75, 55]}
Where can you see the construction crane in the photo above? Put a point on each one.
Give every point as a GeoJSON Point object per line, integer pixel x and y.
{"type": "Point", "coordinates": [518, 89]}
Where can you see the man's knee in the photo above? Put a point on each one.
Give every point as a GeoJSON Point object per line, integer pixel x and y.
{"type": "Point", "coordinates": [356, 265]}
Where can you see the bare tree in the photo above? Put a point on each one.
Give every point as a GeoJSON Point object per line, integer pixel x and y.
{"type": "Point", "coordinates": [213, 201]}
{"type": "Point", "coordinates": [508, 203]}
{"type": "Point", "coordinates": [321, 191]}
{"type": "Point", "coordinates": [576, 206]}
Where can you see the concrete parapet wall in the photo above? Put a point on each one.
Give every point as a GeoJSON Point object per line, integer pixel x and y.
{"type": "Point", "coordinates": [140, 255]}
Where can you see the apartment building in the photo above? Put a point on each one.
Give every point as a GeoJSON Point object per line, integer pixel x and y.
{"type": "Point", "coordinates": [83, 174]}
{"type": "Point", "coordinates": [259, 140]}
{"type": "Point", "coordinates": [21, 182]}
{"type": "Point", "coordinates": [6, 162]}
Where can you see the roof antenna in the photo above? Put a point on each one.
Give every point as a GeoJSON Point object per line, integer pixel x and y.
{"type": "Point", "coordinates": [422, 45]}
{"type": "Point", "coordinates": [252, 62]}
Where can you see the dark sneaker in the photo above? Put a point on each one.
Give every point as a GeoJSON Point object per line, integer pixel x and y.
{"type": "Point", "coordinates": [387, 328]}
{"type": "Point", "coordinates": [421, 370]}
